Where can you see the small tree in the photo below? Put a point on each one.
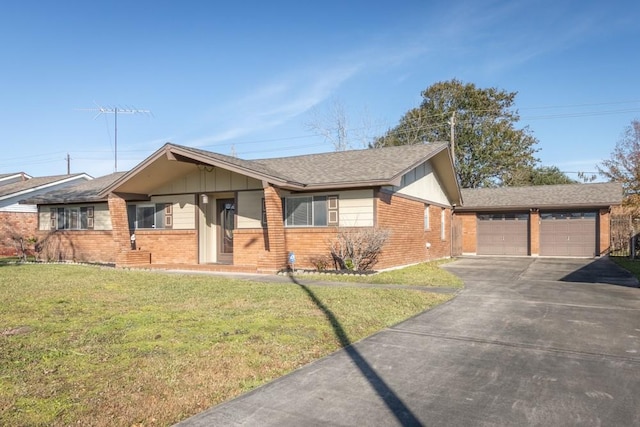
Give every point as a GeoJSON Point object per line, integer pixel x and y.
{"type": "Point", "coordinates": [624, 167]}
{"type": "Point", "coordinates": [358, 249]}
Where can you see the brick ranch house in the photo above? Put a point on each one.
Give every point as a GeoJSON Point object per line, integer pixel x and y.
{"type": "Point", "coordinates": [195, 209]}
{"type": "Point", "coordinates": [19, 219]}
{"type": "Point", "coordinates": [192, 208]}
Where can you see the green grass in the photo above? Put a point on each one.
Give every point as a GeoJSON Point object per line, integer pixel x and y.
{"type": "Point", "coordinates": [83, 345]}
{"type": "Point", "coordinates": [633, 265]}
{"type": "Point", "coordinates": [425, 274]}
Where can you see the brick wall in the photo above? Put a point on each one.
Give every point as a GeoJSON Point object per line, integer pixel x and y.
{"type": "Point", "coordinates": [534, 232]}
{"type": "Point", "coordinates": [274, 256]}
{"type": "Point", "coordinates": [77, 245]}
{"type": "Point", "coordinates": [408, 239]}
{"type": "Point", "coordinates": [168, 246]}
{"type": "Point", "coordinates": [311, 244]}
{"type": "Point", "coordinates": [24, 224]}
{"type": "Point", "coordinates": [604, 227]}
{"type": "Point", "coordinates": [469, 231]}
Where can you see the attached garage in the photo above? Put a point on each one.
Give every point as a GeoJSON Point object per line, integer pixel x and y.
{"type": "Point", "coordinates": [568, 234]}
{"type": "Point", "coordinates": [503, 234]}
{"type": "Point", "coordinates": [570, 220]}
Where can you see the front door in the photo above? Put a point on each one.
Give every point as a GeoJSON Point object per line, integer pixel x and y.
{"type": "Point", "coordinates": [226, 224]}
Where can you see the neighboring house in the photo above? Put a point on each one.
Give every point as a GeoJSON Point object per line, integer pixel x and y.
{"type": "Point", "coordinates": [18, 219]}
{"type": "Point", "coordinates": [189, 207]}
{"type": "Point", "coordinates": [545, 220]}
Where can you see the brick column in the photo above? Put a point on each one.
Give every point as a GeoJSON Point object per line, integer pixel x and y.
{"type": "Point", "coordinates": [604, 231]}
{"type": "Point", "coordinates": [120, 226]}
{"type": "Point", "coordinates": [275, 256]}
{"type": "Point", "coordinates": [534, 232]}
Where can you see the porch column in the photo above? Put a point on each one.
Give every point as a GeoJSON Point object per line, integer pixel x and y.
{"type": "Point", "coordinates": [119, 222]}
{"type": "Point", "coordinates": [275, 255]}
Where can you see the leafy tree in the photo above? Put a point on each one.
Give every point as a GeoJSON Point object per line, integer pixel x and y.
{"type": "Point", "coordinates": [624, 165]}
{"type": "Point", "coordinates": [488, 147]}
{"type": "Point", "coordinates": [541, 175]}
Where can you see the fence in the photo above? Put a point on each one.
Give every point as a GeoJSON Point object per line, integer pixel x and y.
{"type": "Point", "coordinates": [625, 240]}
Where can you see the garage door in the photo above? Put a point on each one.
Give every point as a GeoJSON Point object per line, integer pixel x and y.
{"type": "Point", "coordinates": [503, 234]}
{"type": "Point", "coordinates": [568, 234]}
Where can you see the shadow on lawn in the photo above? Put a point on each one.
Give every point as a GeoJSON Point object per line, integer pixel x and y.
{"type": "Point", "coordinates": [402, 413]}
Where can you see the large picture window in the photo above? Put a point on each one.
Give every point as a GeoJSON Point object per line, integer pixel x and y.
{"type": "Point", "coordinates": [72, 218]}
{"type": "Point", "coordinates": [306, 211]}
{"type": "Point", "coordinates": [150, 216]}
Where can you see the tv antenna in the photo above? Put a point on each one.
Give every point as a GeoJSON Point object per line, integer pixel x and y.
{"type": "Point", "coordinates": [115, 111]}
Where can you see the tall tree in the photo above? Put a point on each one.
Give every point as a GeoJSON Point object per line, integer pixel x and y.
{"type": "Point", "coordinates": [488, 147]}
{"type": "Point", "coordinates": [624, 164]}
{"type": "Point", "coordinates": [541, 175]}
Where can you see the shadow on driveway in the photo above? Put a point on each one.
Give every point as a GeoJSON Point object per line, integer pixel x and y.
{"type": "Point", "coordinates": [401, 412]}
{"type": "Point", "coordinates": [602, 270]}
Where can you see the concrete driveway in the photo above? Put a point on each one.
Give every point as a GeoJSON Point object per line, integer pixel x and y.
{"type": "Point", "coordinates": [530, 341]}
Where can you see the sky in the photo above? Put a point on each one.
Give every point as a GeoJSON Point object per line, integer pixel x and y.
{"type": "Point", "coordinates": [248, 77]}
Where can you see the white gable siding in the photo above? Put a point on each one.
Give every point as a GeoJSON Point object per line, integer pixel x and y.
{"type": "Point", "coordinates": [422, 183]}
{"type": "Point", "coordinates": [211, 181]}
{"type": "Point", "coordinates": [183, 212]}
{"type": "Point", "coordinates": [249, 209]}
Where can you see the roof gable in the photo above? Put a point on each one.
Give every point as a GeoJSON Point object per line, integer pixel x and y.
{"type": "Point", "coordinates": [343, 169]}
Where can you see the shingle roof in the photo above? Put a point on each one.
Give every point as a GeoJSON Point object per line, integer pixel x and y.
{"type": "Point", "coordinates": [253, 165]}
{"type": "Point", "coordinates": [541, 196]}
{"type": "Point", "coordinates": [377, 164]}
{"type": "Point", "coordinates": [86, 191]}
{"type": "Point", "coordinates": [17, 187]}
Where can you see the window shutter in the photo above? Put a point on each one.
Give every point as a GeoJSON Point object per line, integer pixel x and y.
{"type": "Point", "coordinates": [90, 218]}
{"type": "Point", "coordinates": [168, 215]}
{"type": "Point", "coordinates": [333, 211]}
{"type": "Point", "coordinates": [52, 219]}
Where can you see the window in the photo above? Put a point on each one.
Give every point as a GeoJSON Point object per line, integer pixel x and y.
{"type": "Point", "coordinates": [71, 218]}
{"type": "Point", "coordinates": [306, 211]}
{"type": "Point", "coordinates": [427, 225]}
{"type": "Point", "coordinates": [443, 228]}
{"type": "Point", "coordinates": [150, 216]}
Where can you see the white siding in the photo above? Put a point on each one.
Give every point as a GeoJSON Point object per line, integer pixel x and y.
{"type": "Point", "coordinates": [101, 217]}
{"type": "Point", "coordinates": [355, 208]}
{"type": "Point", "coordinates": [210, 181]}
{"type": "Point", "coordinates": [249, 209]}
{"type": "Point", "coordinates": [184, 210]}
{"type": "Point", "coordinates": [422, 183]}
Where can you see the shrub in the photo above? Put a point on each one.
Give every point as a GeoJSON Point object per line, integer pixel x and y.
{"type": "Point", "coordinates": [358, 249]}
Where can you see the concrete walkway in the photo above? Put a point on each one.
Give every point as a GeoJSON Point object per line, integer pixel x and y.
{"type": "Point", "coordinates": [530, 341]}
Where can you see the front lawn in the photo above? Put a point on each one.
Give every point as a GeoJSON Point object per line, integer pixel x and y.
{"type": "Point", "coordinates": [427, 274]}
{"type": "Point", "coordinates": [633, 265]}
{"type": "Point", "coordinates": [85, 345]}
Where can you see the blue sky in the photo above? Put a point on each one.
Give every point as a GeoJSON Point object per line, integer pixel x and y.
{"type": "Point", "coordinates": [246, 77]}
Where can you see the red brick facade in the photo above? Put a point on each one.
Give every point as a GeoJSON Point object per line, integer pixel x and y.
{"type": "Point", "coordinates": [77, 245]}
{"type": "Point", "coordinates": [16, 224]}
{"type": "Point", "coordinates": [407, 244]}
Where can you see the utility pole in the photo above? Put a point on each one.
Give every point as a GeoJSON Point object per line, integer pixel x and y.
{"type": "Point", "coordinates": [453, 136]}
{"type": "Point", "coordinates": [115, 111]}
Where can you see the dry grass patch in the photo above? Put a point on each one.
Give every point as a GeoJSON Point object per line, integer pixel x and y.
{"type": "Point", "coordinates": [95, 346]}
